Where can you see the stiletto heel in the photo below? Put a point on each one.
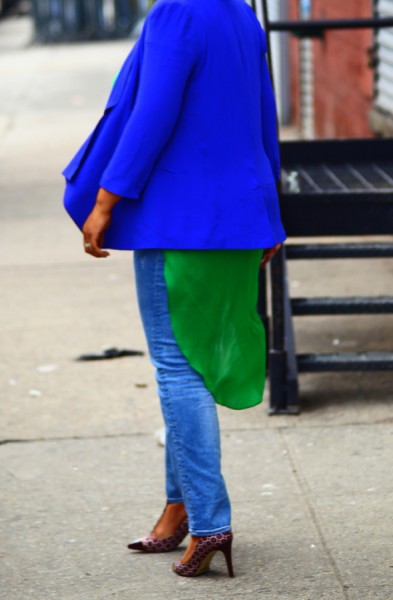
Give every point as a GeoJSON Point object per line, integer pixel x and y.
{"type": "Point", "coordinates": [153, 545]}
{"type": "Point", "coordinates": [202, 556]}
{"type": "Point", "coordinates": [227, 552]}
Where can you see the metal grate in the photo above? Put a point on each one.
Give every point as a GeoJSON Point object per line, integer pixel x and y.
{"type": "Point", "coordinates": [329, 178]}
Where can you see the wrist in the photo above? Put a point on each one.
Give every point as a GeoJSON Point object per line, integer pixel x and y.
{"type": "Point", "coordinates": [102, 208]}
{"type": "Point", "coordinates": [106, 200]}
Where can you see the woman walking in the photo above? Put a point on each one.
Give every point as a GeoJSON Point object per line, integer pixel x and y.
{"type": "Point", "coordinates": [182, 169]}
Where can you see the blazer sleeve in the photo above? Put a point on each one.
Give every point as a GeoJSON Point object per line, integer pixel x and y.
{"type": "Point", "coordinates": [169, 55]}
{"type": "Point", "coordinates": [269, 115]}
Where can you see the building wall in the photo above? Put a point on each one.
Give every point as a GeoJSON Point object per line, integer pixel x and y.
{"type": "Point", "coordinates": [343, 81]}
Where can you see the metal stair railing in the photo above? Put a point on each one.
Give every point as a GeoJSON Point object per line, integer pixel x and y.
{"type": "Point", "coordinates": [346, 190]}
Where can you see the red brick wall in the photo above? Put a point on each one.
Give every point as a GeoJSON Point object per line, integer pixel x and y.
{"type": "Point", "coordinates": [343, 81]}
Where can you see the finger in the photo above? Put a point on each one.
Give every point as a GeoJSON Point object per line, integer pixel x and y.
{"type": "Point", "coordinates": [265, 261]}
{"type": "Point", "coordinates": [96, 251]}
{"type": "Point", "coordinates": [97, 246]}
{"type": "Point", "coordinates": [93, 247]}
{"type": "Point", "coordinates": [86, 246]}
{"type": "Point", "coordinates": [268, 255]}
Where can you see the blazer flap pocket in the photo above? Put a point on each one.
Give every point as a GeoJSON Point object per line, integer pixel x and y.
{"type": "Point", "coordinates": [129, 69]}
{"type": "Point", "coordinates": [121, 79]}
{"type": "Point", "coordinates": [71, 169]}
{"type": "Point", "coordinates": [116, 92]}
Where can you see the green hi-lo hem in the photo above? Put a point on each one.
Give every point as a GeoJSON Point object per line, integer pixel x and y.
{"type": "Point", "coordinates": [212, 296]}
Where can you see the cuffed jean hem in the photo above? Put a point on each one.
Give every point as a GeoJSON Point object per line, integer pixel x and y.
{"type": "Point", "coordinates": [203, 532]}
{"type": "Point", "coordinates": [174, 500]}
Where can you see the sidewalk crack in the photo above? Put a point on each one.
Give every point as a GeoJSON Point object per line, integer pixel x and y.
{"type": "Point", "coordinates": [302, 484]}
{"type": "Point", "coordinates": [75, 438]}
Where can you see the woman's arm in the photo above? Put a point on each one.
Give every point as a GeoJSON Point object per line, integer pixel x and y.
{"type": "Point", "coordinates": [169, 55]}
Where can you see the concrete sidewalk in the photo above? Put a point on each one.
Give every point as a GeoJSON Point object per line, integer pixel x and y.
{"type": "Point", "coordinates": [81, 469]}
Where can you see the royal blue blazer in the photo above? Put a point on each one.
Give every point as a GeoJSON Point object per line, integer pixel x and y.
{"type": "Point", "coordinates": [188, 137]}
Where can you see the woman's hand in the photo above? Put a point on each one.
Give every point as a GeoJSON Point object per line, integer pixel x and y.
{"type": "Point", "coordinates": [98, 222]}
{"type": "Point", "coordinates": [93, 232]}
{"type": "Point", "coordinates": [268, 255]}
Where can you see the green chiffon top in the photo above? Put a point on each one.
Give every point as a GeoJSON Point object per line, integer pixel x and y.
{"type": "Point", "coordinates": [212, 297]}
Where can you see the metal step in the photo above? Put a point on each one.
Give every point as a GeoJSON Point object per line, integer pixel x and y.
{"type": "Point", "coordinates": [365, 361]}
{"type": "Point", "coordinates": [333, 214]}
{"type": "Point", "coordinates": [355, 305]}
{"type": "Point", "coordinates": [317, 251]}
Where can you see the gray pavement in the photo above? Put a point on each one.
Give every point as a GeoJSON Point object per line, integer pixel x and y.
{"type": "Point", "coordinates": [81, 470]}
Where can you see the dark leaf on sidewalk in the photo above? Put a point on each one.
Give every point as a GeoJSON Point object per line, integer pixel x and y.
{"type": "Point", "coordinates": [110, 353]}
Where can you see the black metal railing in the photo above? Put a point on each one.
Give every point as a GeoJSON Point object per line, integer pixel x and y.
{"type": "Point", "coordinates": [329, 188]}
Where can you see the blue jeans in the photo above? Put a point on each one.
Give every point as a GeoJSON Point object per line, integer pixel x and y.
{"type": "Point", "coordinates": [192, 450]}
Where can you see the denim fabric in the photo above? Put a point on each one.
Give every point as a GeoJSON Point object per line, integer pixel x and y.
{"type": "Point", "coordinates": [193, 454]}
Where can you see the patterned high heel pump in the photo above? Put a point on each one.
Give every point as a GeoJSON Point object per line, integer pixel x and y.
{"type": "Point", "coordinates": [201, 558]}
{"type": "Point", "coordinates": [155, 545]}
